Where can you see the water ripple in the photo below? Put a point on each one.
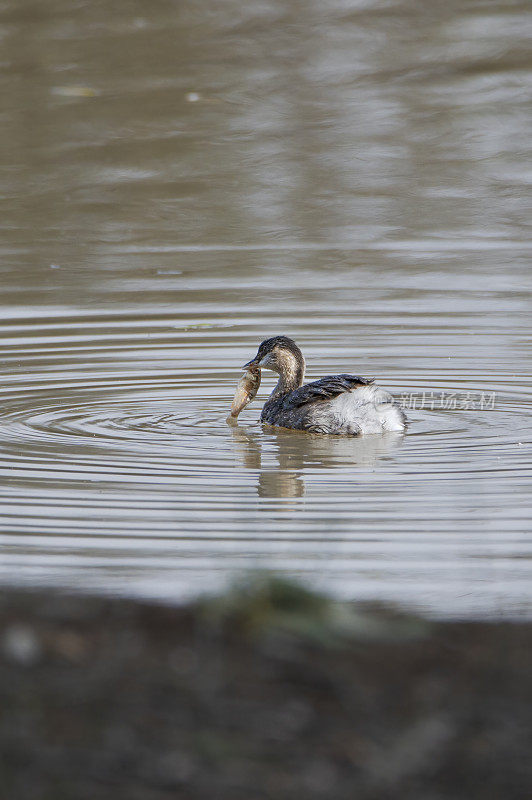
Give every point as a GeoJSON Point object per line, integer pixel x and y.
{"type": "Point", "coordinates": [352, 177]}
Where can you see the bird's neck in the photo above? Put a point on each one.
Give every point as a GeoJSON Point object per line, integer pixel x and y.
{"type": "Point", "coordinates": [291, 376]}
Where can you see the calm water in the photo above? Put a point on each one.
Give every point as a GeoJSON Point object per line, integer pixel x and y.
{"type": "Point", "coordinates": [184, 180]}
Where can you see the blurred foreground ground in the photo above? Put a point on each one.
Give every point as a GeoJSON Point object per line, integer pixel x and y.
{"type": "Point", "coordinates": [269, 692]}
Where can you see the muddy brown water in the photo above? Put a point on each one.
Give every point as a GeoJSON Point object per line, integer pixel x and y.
{"type": "Point", "coordinates": [182, 180]}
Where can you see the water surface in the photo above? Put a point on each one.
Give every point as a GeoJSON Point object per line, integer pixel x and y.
{"type": "Point", "coordinates": [183, 182]}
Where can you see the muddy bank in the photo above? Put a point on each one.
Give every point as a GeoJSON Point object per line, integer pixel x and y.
{"type": "Point", "coordinates": [267, 693]}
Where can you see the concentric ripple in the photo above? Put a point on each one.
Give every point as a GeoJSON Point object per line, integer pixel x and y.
{"type": "Point", "coordinates": [134, 482]}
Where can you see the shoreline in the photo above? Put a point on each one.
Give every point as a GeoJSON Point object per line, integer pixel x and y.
{"type": "Point", "coordinates": [267, 691]}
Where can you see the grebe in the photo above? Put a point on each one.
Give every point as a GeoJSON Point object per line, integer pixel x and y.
{"type": "Point", "coordinates": [339, 404]}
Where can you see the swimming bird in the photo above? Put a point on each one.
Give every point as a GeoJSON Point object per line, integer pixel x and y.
{"type": "Point", "coordinates": [339, 404]}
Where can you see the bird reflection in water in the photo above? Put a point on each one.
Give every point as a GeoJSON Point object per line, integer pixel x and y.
{"type": "Point", "coordinates": [297, 453]}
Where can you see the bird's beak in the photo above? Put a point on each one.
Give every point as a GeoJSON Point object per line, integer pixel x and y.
{"type": "Point", "coordinates": [252, 363]}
